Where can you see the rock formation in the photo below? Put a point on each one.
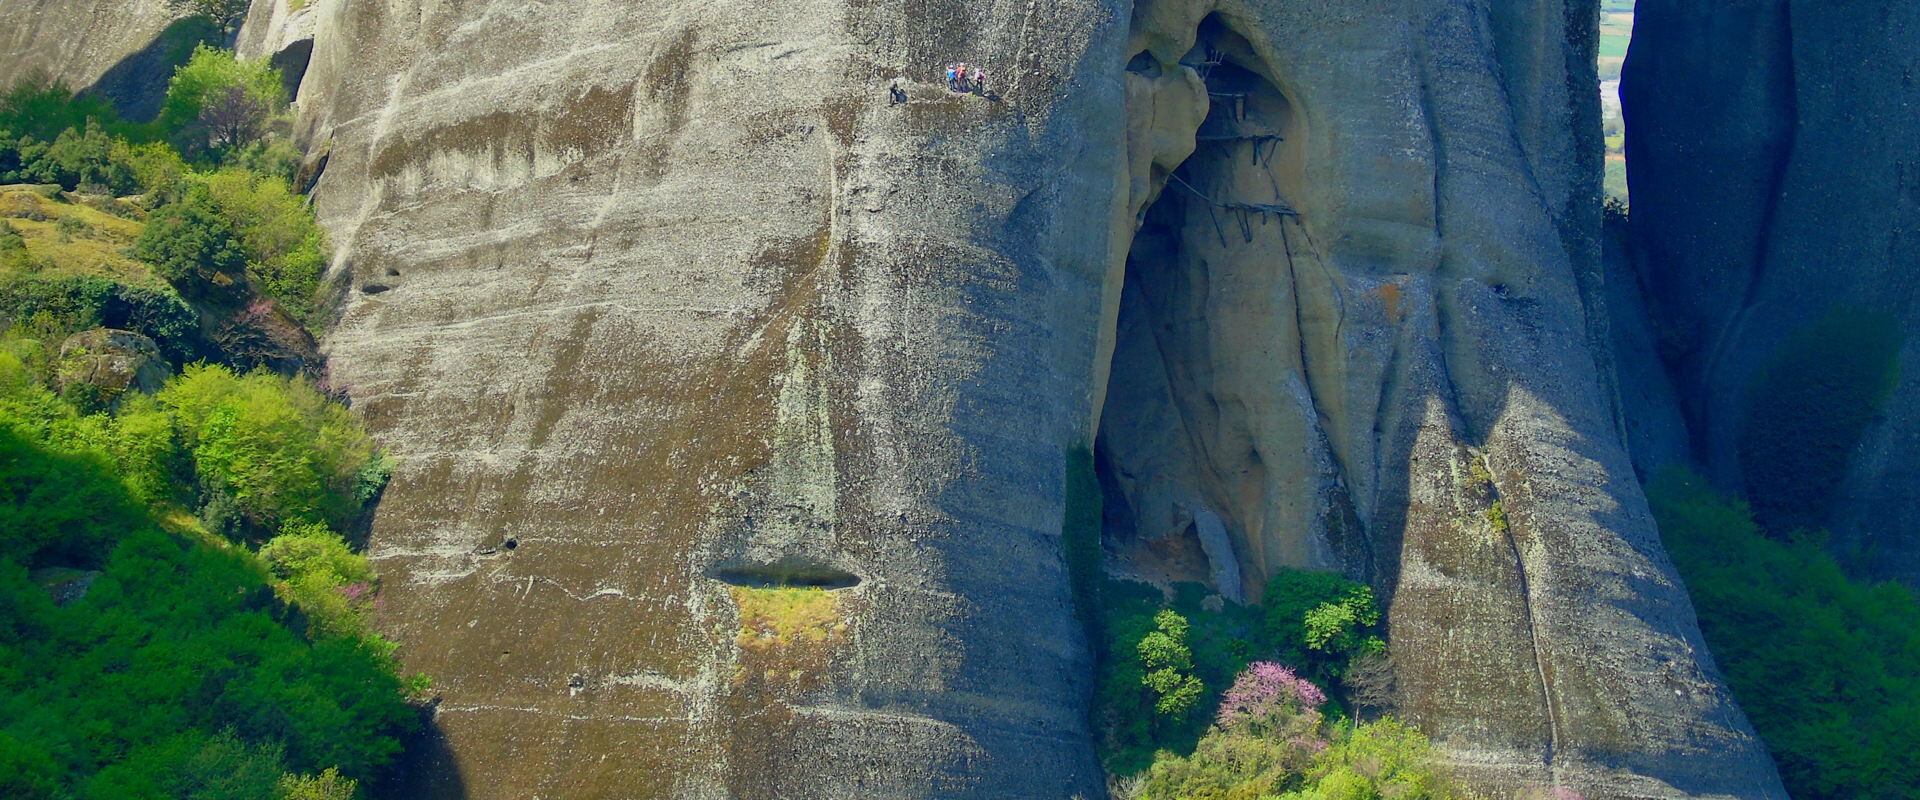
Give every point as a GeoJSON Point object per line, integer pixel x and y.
{"type": "Point", "coordinates": [124, 50]}
{"type": "Point", "coordinates": [731, 400]}
{"type": "Point", "coordinates": [110, 362]}
{"type": "Point", "coordinates": [1776, 197]}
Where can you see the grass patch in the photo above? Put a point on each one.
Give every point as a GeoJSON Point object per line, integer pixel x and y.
{"type": "Point", "coordinates": [775, 618]}
{"type": "Point", "coordinates": [93, 244]}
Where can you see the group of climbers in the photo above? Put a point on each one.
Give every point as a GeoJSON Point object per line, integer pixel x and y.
{"type": "Point", "coordinates": [961, 80]}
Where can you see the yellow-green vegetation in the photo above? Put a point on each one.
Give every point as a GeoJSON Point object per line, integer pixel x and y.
{"type": "Point", "coordinates": [1480, 478]}
{"type": "Point", "coordinates": [1160, 661]}
{"type": "Point", "coordinates": [177, 669]}
{"type": "Point", "coordinates": [62, 238]}
{"type": "Point", "coordinates": [1270, 739]}
{"type": "Point", "coordinates": [180, 612]}
{"type": "Point", "coordinates": [779, 616]}
{"type": "Point", "coordinates": [1826, 666]}
{"type": "Point", "coordinates": [1497, 516]}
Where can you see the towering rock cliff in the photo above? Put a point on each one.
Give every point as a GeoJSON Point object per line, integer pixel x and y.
{"type": "Point", "coordinates": [1775, 166]}
{"type": "Point", "coordinates": [668, 310]}
{"type": "Point", "coordinates": [124, 51]}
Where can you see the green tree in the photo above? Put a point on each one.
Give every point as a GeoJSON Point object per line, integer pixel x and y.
{"type": "Point", "coordinates": [314, 569]}
{"type": "Point", "coordinates": [224, 14]}
{"type": "Point", "coordinates": [39, 107]}
{"type": "Point", "coordinates": [83, 158]}
{"type": "Point", "coordinates": [1167, 665]}
{"type": "Point", "coordinates": [275, 447]}
{"type": "Point", "coordinates": [328, 785]}
{"type": "Point", "coordinates": [1826, 666]}
{"type": "Point", "coordinates": [191, 244]}
{"type": "Point", "coordinates": [213, 79]}
{"type": "Point", "coordinates": [286, 250]}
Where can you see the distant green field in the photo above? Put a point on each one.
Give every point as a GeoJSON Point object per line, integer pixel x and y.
{"type": "Point", "coordinates": [1609, 6]}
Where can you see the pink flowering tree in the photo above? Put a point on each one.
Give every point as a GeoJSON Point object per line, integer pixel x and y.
{"type": "Point", "coordinates": [1268, 695]}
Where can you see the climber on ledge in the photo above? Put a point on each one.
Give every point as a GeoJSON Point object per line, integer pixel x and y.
{"type": "Point", "coordinates": [980, 81]}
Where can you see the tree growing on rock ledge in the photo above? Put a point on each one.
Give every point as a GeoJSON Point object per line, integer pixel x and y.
{"type": "Point", "coordinates": [224, 14]}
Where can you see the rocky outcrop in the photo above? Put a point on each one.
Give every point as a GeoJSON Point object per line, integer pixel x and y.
{"type": "Point", "coordinates": [124, 50]}
{"type": "Point", "coordinates": [1777, 198]}
{"type": "Point", "coordinates": [667, 311]}
{"type": "Point", "coordinates": [110, 362]}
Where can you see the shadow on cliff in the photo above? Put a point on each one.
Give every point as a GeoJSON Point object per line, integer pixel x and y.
{"type": "Point", "coordinates": [138, 83]}
{"type": "Point", "coordinates": [427, 767]}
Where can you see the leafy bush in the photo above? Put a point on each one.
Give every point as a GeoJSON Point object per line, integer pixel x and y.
{"type": "Point", "coordinates": [193, 246]}
{"type": "Point", "coordinates": [216, 102]}
{"type": "Point", "coordinates": [314, 569]}
{"type": "Point", "coordinates": [277, 448]}
{"type": "Point", "coordinates": [1223, 638]}
{"type": "Point", "coordinates": [1827, 668]}
{"type": "Point", "coordinates": [175, 673]}
{"type": "Point", "coordinates": [39, 107]}
{"type": "Point", "coordinates": [70, 303]}
{"type": "Point", "coordinates": [1271, 740]}
{"type": "Point", "coordinates": [285, 247]}
{"type": "Point", "coordinates": [1167, 665]}
{"type": "Point", "coordinates": [82, 157]}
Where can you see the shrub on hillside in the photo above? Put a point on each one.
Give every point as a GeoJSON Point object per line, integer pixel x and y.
{"type": "Point", "coordinates": [1271, 740]}
{"type": "Point", "coordinates": [1827, 667]}
{"type": "Point", "coordinates": [192, 245]}
{"type": "Point", "coordinates": [273, 449]}
{"type": "Point", "coordinates": [216, 102]}
{"type": "Point", "coordinates": [285, 248]}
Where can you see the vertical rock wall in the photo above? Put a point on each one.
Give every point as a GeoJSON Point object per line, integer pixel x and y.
{"type": "Point", "coordinates": [731, 399]}
{"type": "Point", "coordinates": [1776, 185]}
{"type": "Point", "coordinates": [122, 50]}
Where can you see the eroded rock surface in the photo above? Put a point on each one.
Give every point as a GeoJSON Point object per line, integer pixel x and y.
{"type": "Point", "coordinates": [731, 400]}
{"type": "Point", "coordinates": [1776, 195]}
{"type": "Point", "coordinates": [124, 50]}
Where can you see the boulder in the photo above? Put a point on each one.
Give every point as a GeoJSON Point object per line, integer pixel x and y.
{"type": "Point", "coordinates": [112, 362]}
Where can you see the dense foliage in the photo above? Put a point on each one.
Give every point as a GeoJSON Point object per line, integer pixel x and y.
{"type": "Point", "coordinates": [176, 666]}
{"type": "Point", "coordinates": [180, 615]}
{"type": "Point", "coordinates": [1827, 667]}
{"type": "Point", "coordinates": [1270, 739]}
{"type": "Point", "coordinates": [1161, 660]}
{"type": "Point", "coordinates": [220, 230]}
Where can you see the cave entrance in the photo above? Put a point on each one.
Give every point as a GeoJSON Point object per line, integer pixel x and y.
{"type": "Point", "coordinates": [1208, 449]}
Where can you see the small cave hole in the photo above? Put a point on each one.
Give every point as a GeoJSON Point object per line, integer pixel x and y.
{"type": "Point", "coordinates": [374, 288]}
{"type": "Point", "coordinates": [787, 575]}
{"type": "Point", "coordinates": [393, 273]}
{"type": "Point", "coordinates": [511, 543]}
{"type": "Point", "coordinates": [1144, 64]}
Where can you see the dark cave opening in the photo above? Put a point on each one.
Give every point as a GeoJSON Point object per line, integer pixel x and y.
{"type": "Point", "coordinates": [1204, 398]}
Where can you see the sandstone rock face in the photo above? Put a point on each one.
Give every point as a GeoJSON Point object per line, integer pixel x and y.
{"type": "Point", "coordinates": [1777, 197]}
{"type": "Point", "coordinates": [123, 49]}
{"type": "Point", "coordinates": [731, 400]}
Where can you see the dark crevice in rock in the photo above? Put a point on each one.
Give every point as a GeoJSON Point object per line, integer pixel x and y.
{"type": "Point", "coordinates": [785, 575]}
{"type": "Point", "coordinates": [292, 63]}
